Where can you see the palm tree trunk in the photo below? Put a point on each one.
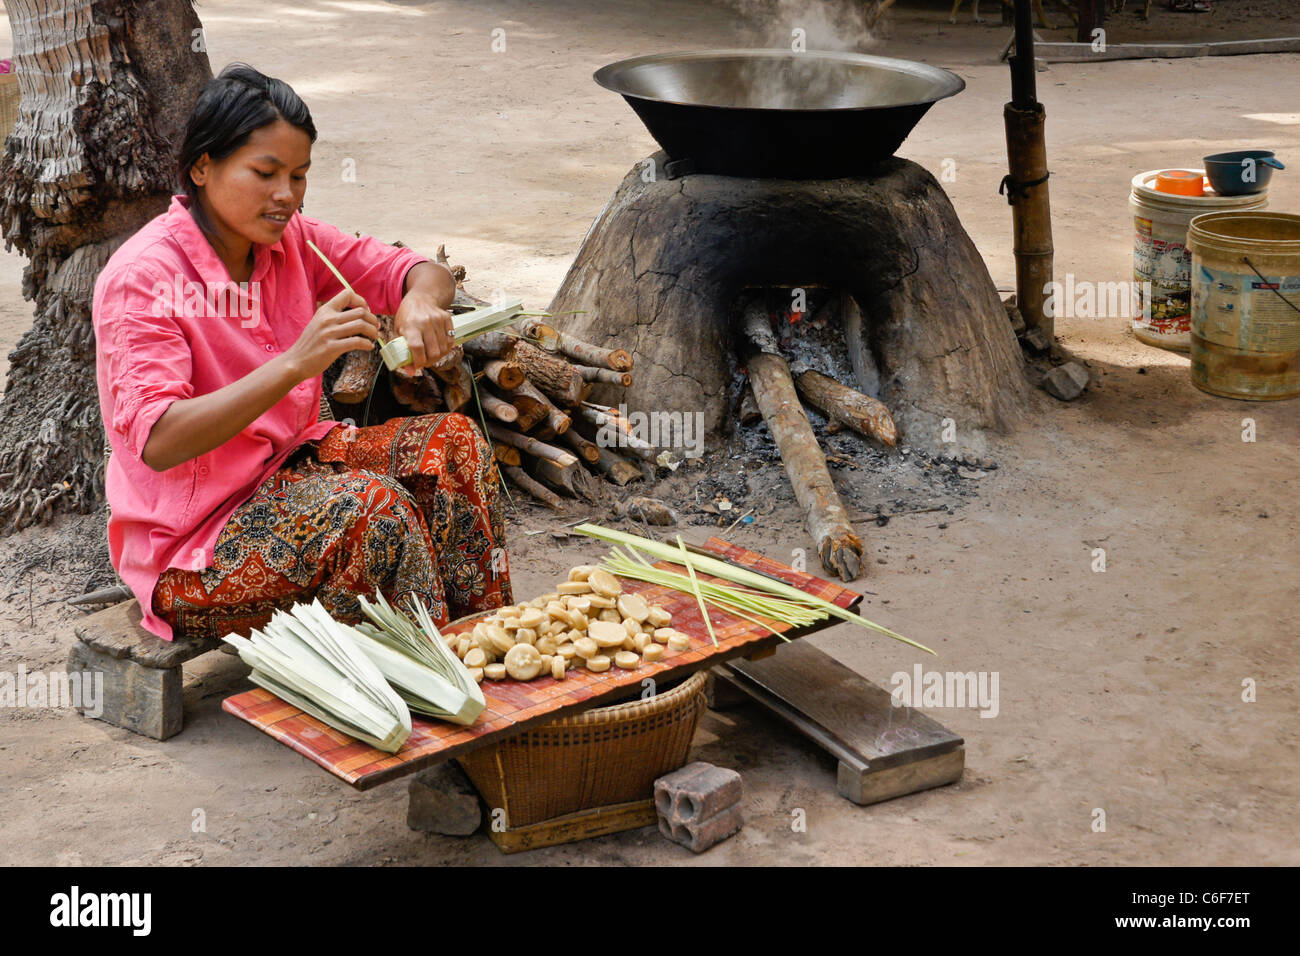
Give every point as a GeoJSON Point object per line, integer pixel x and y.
{"type": "Point", "coordinates": [107, 87]}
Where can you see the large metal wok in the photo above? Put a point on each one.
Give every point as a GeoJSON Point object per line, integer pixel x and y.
{"type": "Point", "coordinates": [815, 115]}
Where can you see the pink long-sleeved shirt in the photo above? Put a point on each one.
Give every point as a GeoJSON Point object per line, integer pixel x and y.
{"type": "Point", "coordinates": [170, 324]}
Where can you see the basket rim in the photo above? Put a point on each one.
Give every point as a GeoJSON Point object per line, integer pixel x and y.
{"type": "Point", "coordinates": [691, 687]}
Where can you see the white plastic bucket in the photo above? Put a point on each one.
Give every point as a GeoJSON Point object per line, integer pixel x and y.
{"type": "Point", "coordinates": [1161, 256]}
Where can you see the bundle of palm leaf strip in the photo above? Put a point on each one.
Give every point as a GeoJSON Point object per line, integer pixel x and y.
{"type": "Point", "coordinates": [314, 662]}
{"type": "Point", "coordinates": [748, 594]}
{"type": "Point", "coordinates": [364, 680]}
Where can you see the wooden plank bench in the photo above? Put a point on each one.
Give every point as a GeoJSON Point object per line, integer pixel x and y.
{"type": "Point", "coordinates": [883, 751]}
{"type": "Point", "coordinates": [142, 673]}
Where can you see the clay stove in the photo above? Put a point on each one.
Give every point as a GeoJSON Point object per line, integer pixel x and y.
{"type": "Point", "coordinates": [778, 172]}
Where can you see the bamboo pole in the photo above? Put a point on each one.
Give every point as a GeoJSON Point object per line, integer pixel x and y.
{"type": "Point", "coordinates": [1026, 180]}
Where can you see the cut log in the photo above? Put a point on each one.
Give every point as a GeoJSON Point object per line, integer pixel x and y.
{"type": "Point", "coordinates": [588, 451]}
{"type": "Point", "coordinates": [845, 405]}
{"type": "Point", "coordinates": [446, 368]}
{"type": "Point", "coordinates": [113, 594]}
{"type": "Point", "coordinates": [357, 377]}
{"type": "Point", "coordinates": [526, 482]}
{"type": "Point", "coordinates": [614, 431]}
{"type": "Point", "coordinates": [824, 514]}
{"type": "Point", "coordinates": [647, 510]}
{"type": "Point", "coordinates": [758, 329]}
{"type": "Point", "coordinates": [531, 410]}
{"type": "Point", "coordinates": [506, 455]}
{"type": "Point", "coordinates": [490, 344]}
{"type": "Point", "coordinates": [617, 468]}
{"type": "Point", "coordinates": [557, 420]}
{"type": "Point", "coordinates": [619, 360]}
{"type": "Point", "coordinates": [498, 408]}
{"type": "Point", "coordinates": [532, 446]}
{"type": "Point", "coordinates": [609, 462]}
{"type": "Point", "coordinates": [551, 374]}
{"type": "Point", "coordinates": [503, 374]}
{"type": "Point", "coordinates": [572, 478]}
{"type": "Point", "coordinates": [590, 373]}
{"type": "Point", "coordinates": [457, 272]}
{"type": "Point", "coordinates": [539, 333]}
{"type": "Point", "coordinates": [459, 394]}
{"type": "Point", "coordinates": [420, 394]}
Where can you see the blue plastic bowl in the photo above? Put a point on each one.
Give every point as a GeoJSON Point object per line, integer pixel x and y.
{"type": "Point", "coordinates": [1230, 176]}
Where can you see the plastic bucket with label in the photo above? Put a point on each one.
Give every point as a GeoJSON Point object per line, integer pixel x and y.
{"type": "Point", "coordinates": [1161, 256]}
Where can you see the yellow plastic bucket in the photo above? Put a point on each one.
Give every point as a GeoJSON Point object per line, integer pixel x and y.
{"type": "Point", "coordinates": [1245, 334]}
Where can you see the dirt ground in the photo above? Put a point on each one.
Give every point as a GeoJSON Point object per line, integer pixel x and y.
{"type": "Point", "coordinates": [1122, 690]}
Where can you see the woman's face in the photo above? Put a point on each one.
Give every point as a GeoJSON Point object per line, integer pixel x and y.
{"type": "Point", "coordinates": [253, 191]}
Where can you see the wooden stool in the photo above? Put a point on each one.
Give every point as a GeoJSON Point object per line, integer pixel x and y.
{"type": "Point", "coordinates": [142, 673]}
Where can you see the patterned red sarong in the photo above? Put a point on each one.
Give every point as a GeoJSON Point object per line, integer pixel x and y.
{"type": "Point", "coordinates": [409, 506]}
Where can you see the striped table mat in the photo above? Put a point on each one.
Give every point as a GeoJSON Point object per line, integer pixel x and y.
{"type": "Point", "coordinates": [513, 705]}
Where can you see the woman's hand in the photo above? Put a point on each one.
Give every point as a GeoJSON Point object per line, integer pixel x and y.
{"type": "Point", "coordinates": [342, 324]}
{"type": "Point", "coordinates": [426, 326]}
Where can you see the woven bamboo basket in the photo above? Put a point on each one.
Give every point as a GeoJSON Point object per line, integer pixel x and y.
{"type": "Point", "coordinates": [605, 756]}
{"type": "Point", "coordinates": [9, 99]}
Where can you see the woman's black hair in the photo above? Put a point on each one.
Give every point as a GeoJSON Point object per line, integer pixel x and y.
{"type": "Point", "coordinates": [231, 107]}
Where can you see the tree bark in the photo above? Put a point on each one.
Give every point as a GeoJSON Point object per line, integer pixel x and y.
{"type": "Point", "coordinates": [552, 375]}
{"type": "Point", "coordinates": [107, 87]}
{"type": "Point", "coordinates": [845, 405]}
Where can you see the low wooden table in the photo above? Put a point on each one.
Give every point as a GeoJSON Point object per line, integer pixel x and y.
{"type": "Point", "coordinates": [514, 706]}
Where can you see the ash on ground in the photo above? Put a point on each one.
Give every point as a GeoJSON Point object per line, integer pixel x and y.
{"type": "Point", "coordinates": [746, 480]}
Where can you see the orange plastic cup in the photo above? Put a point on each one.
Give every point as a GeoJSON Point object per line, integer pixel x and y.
{"type": "Point", "coordinates": [1181, 182]}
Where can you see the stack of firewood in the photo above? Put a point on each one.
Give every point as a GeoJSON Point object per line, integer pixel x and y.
{"type": "Point", "coordinates": [529, 386]}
